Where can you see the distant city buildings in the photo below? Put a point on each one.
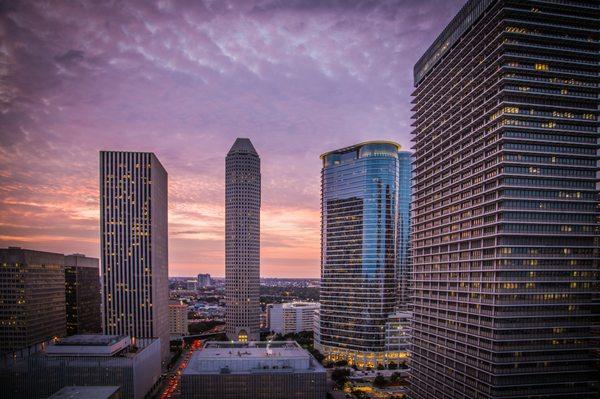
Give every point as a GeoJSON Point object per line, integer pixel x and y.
{"type": "Point", "coordinates": [82, 286]}
{"type": "Point", "coordinates": [242, 241]}
{"type": "Point", "coordinates": [359, 188]}
{"type": "Point", "coordinates": [134, 245]}
{"type": "Point", "coordinates": [178, 318]}
{"type": "Point", "coordinates": [505, 230]}
{"type": "Point", "coordinates": [403, 255]}
{"type": "Point", "coordinates": [32, 305]}
{"type": "Point", "coordinates": [291, 317]}
{"type": "Point", "coordinates": [96, 360]}
{"type": "Point", "coordinates": [253, 370]}
{"type": "Point", "coordinates": [204, 280]}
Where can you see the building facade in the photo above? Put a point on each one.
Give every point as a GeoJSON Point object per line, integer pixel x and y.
{"type": "Point", "coordinates": [204, 280]}
{"type": "Point", "coordinates": [178, 318]}
{"type": "Point", "coordinates": [505, 228]}
{"type": "Point", "coordinates": [359, 211]}
{"type": "Point", "coordinates": [403, 254]}
{"type": "Point", "coordinates": [253, 370]}
{"type": "Point", "coordinates": [134, 245]}
{"type": "Point", "coordinates": [82, 290]}
{"type": "Point", "coordinates": [32, 309]}
{"type": "Point", "coordinates": [96, 360]}
{"type": "Point", "coordinates": [291, 317]}
{"type": "Point", "coordinates": [242, 241]}
{"type": "Point", "coordinates": [398, 333]}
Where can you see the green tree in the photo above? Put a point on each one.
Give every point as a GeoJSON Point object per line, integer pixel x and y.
{"type": "Point", "coordinates": [379, 381]}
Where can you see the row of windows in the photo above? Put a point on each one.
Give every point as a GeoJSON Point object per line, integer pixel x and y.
{"type": "Point", "coordinates": [542, 228]}
{"type": "Point", "coordinates": [546, 125]}
{"type": "Point", "coordinates": [550, 148]}
{"type": "Point", "coordinates": [551, 137]}
{"type": "Point", "coordinates": [549, 159]}
{"type": "Point", "coordinates": [535, 170]}
{"type": "Point", "coordinates": [521, 181]}
{"type": "Point", "coordinates": [544, 205]}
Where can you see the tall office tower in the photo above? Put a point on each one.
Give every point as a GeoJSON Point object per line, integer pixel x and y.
{"type": "Point", "coordinates": [403, 259]}
{"type": "Point", "coordinates": [32, 309]}
{"type": "Point", "coordinates": [134, 248]}
{"type": "Point", "coordinates": [82, 287]}
{"type": "Point", "coordinates": [242, 241]}
{"type": "Point", "coordinates": [505, 231]}
{"type": "Point", "coordinates": [204, 280]}
{"type": "Point", "coordinates": [359, 210]}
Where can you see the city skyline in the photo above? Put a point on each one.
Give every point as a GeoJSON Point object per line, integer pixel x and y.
{"type": "Point", "coordinates": [309, 95]}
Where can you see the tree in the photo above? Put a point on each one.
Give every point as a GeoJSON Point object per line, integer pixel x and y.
{"type": "Point", "coordinates": [379, 381]}
{"type": "Point", "coordinates": [395, 377]}
{"type": "Point", "coordinates": [392, 366]}
{"type": "Point", "coordinates": [340, 376]}
{"type": "Point", "coordinates": [380, 366]}
{"type": "Point", "coordinates": [341, 363]}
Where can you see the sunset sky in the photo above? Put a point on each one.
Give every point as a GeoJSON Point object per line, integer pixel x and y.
{"type": "Point", "coordinates": [183, 79]}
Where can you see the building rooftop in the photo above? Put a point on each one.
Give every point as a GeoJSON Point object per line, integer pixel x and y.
{"type": "Point", "coordinates": [90, 340]}
{"type": "Point", "coordinates": [251, 357]}
{"type": "Point", "coordinates": [90, 392]}
{"type": "Point", "coordinates": [242, 146]}
{"type": "Point", "coordinates": [89, 345]}
{"type": "Point", "coordinates": [299, 304]}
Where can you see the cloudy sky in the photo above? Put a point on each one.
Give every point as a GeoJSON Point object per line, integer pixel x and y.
{"type": "Point", "coordinates": [183, 79]}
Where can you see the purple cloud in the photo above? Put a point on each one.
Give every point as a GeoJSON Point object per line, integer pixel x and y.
{"type": "Point", "coordinates": [184, 79]}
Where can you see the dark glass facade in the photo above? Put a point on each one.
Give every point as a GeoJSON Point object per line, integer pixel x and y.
{"type": "Point", "coordinates": [82, 289]}
{"type": "Point", "coordinates": [505, 228]}
{"type": "Point", "coordinates": [32, 299]}
{"type": "Point", "coordinates": [403, 252]}
{"type": "Point", "coordinates": [359, 196]}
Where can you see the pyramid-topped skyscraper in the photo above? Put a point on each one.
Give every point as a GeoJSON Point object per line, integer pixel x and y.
{"type": "Point", "coordinates": [242, 241]}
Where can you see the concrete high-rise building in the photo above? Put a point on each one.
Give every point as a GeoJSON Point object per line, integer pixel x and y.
{"type": "Point", "coordinates": [32, 305]}
{"type": "Point", "coordinates": [178, 318]}
{"type": "Point", "coordinates": [82, 287]}
{"type": "Point", "coordinates": [242, 241]}
{"type": "Point", "coordinates": [134, 245]}
{"type": "Point", "coordinates": [403, 257]}
{"type": "Point", "coordinates": [505, 229]}
{"type": "Point", "coordinates": [291, 317]}
{"type": "Point", "coordinates": [359, 205]}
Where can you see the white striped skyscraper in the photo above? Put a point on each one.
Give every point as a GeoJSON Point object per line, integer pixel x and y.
{"type": "Point", "coordinates": [242, 241]}
{"type": "Point", "coordinates": [134, 245]}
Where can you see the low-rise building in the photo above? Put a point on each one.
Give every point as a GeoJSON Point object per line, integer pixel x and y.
{"type": "Point", "coordinates": [291, 317]}
{"type": "Point", "coordinates": [96, 360]}
{"type": "Point", "coordinates": [253, 370]}
{"type": "Point", "coordinates": [178, 320]}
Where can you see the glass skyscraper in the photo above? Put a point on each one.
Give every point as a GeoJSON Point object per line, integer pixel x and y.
{"type": "Point", "coordinates": [403, 257]}
{"type": "Point", "coordinates": [505, 229]}
{"type": "Point", "coordinates": [359, 199]}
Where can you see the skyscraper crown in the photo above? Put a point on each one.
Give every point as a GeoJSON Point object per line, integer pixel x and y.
{"type": "Point", "coordinates": [242, 146]}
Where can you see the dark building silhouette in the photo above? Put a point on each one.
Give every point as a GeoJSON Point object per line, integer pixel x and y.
{"type": "Point", "coordinates": [82, 288]}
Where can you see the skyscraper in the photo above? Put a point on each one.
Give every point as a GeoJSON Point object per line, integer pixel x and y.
{"type": "Point", "coordinates": [505, 232]}
{"type": "Point", "coordinates": [359, 210]}
{"type": "Point", "coordinates": [32, 309]}
{"type": "Point", "coordinates": [403, 259]}
{"type": "Point", "coordinates": [82, 287]}
{"type": "Point", "coordinates": [134, 251]}
{"type": "Point", "coordinates": [242, 241]}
